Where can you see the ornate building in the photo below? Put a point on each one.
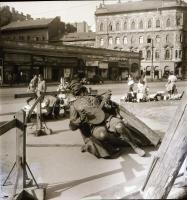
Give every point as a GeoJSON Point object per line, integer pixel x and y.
{"type": "Point", "coordinates": [156, 29]}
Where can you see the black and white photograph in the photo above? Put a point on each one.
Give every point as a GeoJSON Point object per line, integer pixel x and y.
{"type": "Point", "coordinates": [93, 99]}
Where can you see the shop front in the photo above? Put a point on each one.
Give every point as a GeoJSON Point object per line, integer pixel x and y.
{"type": "Point", "coordinates": [113, 70]}
{"type": "Point", "coordinates": [103, 70]}
{"type": "Point", "coordinates": [91, 68]}
{"type": "Point", "coordinates": [124, 70]}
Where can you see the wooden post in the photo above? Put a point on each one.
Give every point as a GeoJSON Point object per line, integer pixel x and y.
{"type": "Point", "coordinates": [20, 149]}
{"type": "Point", "coordinates": [171, 156]}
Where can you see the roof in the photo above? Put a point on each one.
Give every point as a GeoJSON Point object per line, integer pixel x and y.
{"type": "Point", "coordinates": [131, 6]}
{"type": "Point", "coordinates": [79, 36]}
{"type": "Point", "coordinates": [27, 24]}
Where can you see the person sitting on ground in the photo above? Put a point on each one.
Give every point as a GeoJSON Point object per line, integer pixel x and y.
{"type": "Point", "coordinates": [32, 88]}
{"type": "Point", "coordinates": [130, 94]}
{"type": "Point", "coordinates": [142, 91]}
{"type": "Point", "coordinates": [99, 122]}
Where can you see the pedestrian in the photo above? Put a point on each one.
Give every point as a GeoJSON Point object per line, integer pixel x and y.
{"type": "Point", "coordinates": [1, 80]}
{"type": "Point", "coordinates": [42, 87]}
{"type": "Point", "coordinates": [10, 78]}
{"type": "Point", "coordinates": [32, 88]}
{"type": "Point", "coordinates": [171, 84]}
{"type": "Point", "coordinates": [101, 129]}
{"type": "Point", "coordinates": [130, 83]}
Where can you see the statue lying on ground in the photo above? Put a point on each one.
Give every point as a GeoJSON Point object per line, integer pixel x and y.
{"type": "Point", "coordinates": [104, 130]}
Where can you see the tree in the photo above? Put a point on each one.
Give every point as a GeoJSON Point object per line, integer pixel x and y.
{"type": "Point", "coordinates": [69, 28]}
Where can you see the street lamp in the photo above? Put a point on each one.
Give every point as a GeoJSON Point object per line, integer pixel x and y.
{"type": "Point", "coordinates": [150, 41]}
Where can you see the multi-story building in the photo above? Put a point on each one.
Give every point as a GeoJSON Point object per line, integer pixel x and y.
{"type": "Point", "coordinates": [82, 27]}
{"type": "Point", "coordinates": [39, 30]}
{"type": "Point", "coordinates": [155, 28]}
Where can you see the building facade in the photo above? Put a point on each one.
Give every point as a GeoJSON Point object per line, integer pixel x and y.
{"type": "Point", "coordinates": [82, 27]}
{"type": "Point", "coordinates": [39, 30]}
{"type": "Point", "coordinates": [19, 61]}
{"type": "Point", "coordinates": [156, 29]}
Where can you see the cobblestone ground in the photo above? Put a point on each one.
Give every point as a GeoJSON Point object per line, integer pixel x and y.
{"type": "Point", "coordinates": [57, 162]}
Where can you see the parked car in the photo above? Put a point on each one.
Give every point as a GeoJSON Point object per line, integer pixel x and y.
{"type": "Point", "coordinates": [96, 79]}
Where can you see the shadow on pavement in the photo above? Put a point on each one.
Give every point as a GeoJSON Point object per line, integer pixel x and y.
{"type": "Point", "coordinates": [128, 166]}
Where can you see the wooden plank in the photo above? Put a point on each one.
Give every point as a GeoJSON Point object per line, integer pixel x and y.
{"type": "Point", "coordinates": [33, 106]}
{"type": "Point", "coordinates": [171, 153]}
{"type": "Point", "coordinates": [138, 126]}
{"type": "Point", "coordinates": [25, 95]}
{"type": "Point", "coordinates": [7, 126]}
{"type": "Point", "coordinates": [21, 149]}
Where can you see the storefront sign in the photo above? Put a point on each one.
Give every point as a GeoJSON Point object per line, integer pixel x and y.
{"type": "Point", "coordinates": [92, 63]}
{"type": "Point", "coordinates": [103, 65]}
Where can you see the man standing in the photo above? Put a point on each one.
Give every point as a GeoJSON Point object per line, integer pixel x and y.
{"type": "Point", "coordinates": [32, 87]}
{"type": "Point", "coordinates": [171, 84]}
{"type": "Point", "coordinates": [41, 85]}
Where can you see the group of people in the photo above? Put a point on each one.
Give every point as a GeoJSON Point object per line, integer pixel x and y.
{"type": "Point", "coordinates": [141, 94]}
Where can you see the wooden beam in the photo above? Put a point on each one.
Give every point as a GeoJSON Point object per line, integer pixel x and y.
{"type": "Point", "coordinates": [25, 95]}
{"type": "Point", "coordinates": [7, 126]}
{"type": "Point", "coordinates": [21, 149]}
{"type": "Point", "coordinates": [139, 127]}
{"type": "Point", "coordinates": [171, 155]}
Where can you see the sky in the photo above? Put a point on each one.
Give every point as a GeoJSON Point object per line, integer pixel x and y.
{"type": "Point", "coordinates": [69, 11]}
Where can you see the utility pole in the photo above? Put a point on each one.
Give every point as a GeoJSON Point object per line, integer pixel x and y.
{"type": "Point", "coordinates": [150, 41]}
{"type": "Point", "coordinates": [152, 66]}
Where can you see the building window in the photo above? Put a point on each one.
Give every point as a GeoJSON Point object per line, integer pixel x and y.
{"type": "Point", "coordinates": [133, 25]}
{"type": "Point", "coordinates": [180, 37]}
{"type": "Point", "coordinates": [110, 41]}
{"type": "Point", "coordinates": [148, 54]}
{"type": "Point", "coordinates": [157, 56]}
{"type": "Point", "coordinates": [37, 39]}
{"type": "Point", "coordinates": [117, 41]}
{"type": "Point", "coordinates": [101, 42]}
{"type": "Point", "coordinates": [180, 53]}
{"type": "Point", "coordinates": [148, 71]}
{"type": "Point", "coordinates": [125, 26]}
{"type": "Point", "coordinates": [117, 26]}
{"type": "Point", "coordinates": [110, 27]}
{"type": "Point", "coordinates": [149, 40]}
{"type": "Point", "coordinates": [168, 23]}
{"type": "Point", "coordinates": [132, 40]}
{"type": "Point", "coordinates": [141, 39]}
{"type": "Point", "coordinates": [141, 54]}
{"type": "Point", "coordinates": [178, 21]}
{"type": "Point", "coordinates": [101, 27]}
{"type": "Point", "coordinates": [167, 54]}
{"type": "Point", "coordinates": [125, 40]}
{"type": "Point", "coordinates": [141, 25]}
{"type": "Point", "coordinates": [167, 38]}
{"type": "Point", "coordinates": [28, 37]}
{"type": "Point", "coordinates": [157, 39]}
{"type": "Point", "coordinates": [149, 24]}
{"type": "Point", "coordinates": [157, 23]}
{"type": "Point", "coordinates": [176, 54]}
{"type": "Point", "coordinates": [43, 38]}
